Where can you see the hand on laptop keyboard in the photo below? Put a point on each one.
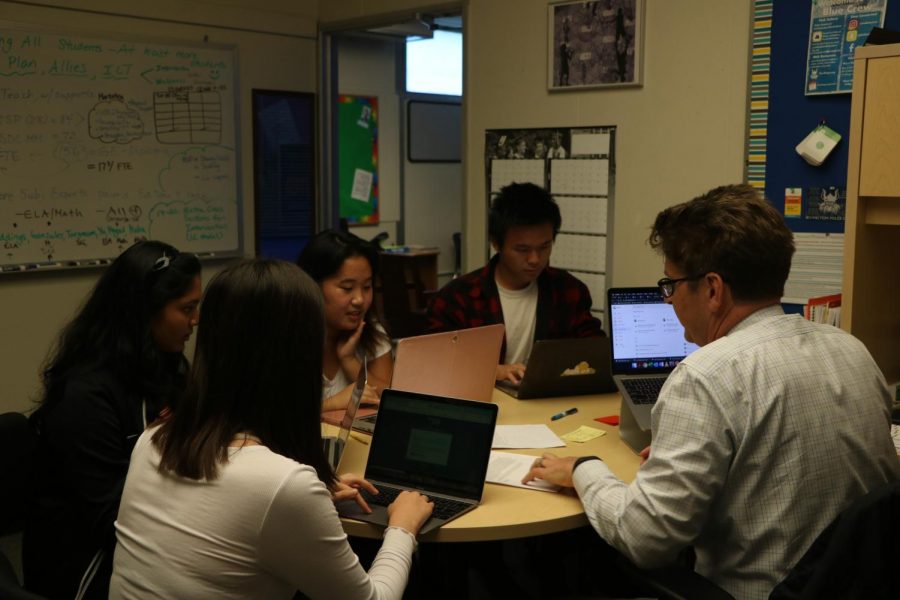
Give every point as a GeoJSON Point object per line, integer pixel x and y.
{"type": "Point", "coordinates": [409, 511]}
{"type": "Point", "coordinates": [443, 507]}
{"type": "Point", "coordinates": [352, 487]}
{"type": "Point", "coordinates": [512, 373]}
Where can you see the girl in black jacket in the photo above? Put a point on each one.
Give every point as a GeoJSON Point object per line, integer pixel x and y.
{"type": "Point", "coordinates": [116, 367]}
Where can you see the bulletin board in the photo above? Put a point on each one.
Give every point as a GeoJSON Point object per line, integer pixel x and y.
{"type": "Point", "coordinates": [577, 166]}
{"type": "Point", "coordinates": [106, 141]}
{"type": "Point", "coordinates": [358, 159]}
{"type": "Point", "coordinates": [782, 114]}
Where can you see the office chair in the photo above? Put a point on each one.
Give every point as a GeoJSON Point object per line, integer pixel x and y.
{"type": "Point", "coordinates": [855, 557]}
{"type": "Point", "coordinates": [457, 254]}
{"type": "Point", "coordinates": [17, 446]}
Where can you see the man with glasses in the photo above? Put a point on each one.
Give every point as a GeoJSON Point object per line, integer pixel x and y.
{"type": "Point", "coordinates": [760, 437]}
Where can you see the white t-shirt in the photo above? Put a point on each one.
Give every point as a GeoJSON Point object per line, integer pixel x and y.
{"type": "Point", "coordinates": [519, 316]}
{"type": "Point", "coordinates": [330, 387]}
{"type": "Point", "coordinates": [264, 528]}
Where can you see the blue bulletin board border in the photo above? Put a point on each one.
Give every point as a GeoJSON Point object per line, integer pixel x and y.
{"type": "Point", "coordinates": [781, 114]}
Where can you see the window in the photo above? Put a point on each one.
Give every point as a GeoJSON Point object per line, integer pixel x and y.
{"type": "Point", "coordinates": [434, 66]}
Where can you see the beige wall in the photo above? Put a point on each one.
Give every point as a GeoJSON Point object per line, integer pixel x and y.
{"type": "Point", "coordinates": [679, 135]}
{"type": "Point", "coordinates": [34, 307]}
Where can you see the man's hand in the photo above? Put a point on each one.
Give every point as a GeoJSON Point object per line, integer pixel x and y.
{"type": "Point", "coordinates": [552, 469]}
{"type": "Point", "coordinates": [645, 454]}
{"type": "Point", "coordinates": [513, 372]}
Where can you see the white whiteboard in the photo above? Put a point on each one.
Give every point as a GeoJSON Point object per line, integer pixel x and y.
{"type": "Point", "coordinates": [105, 142]}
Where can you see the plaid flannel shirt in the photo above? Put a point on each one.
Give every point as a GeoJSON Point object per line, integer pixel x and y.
{"type": "Point", "coordinates": [472, 300]}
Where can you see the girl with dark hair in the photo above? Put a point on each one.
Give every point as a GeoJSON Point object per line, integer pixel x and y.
{"type": "Point", "coordinates": [116, 367]}
{"type": "Point", "coordinates": [232, 496]}
{"type": "Point", "coordinates": [345, 267]}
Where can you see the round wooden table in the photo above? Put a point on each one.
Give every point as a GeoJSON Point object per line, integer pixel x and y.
{"type": "Point", "coordinates": [508, 512]}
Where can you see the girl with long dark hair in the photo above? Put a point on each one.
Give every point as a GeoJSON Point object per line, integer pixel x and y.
{"type": "Point", "coordinates": [345, 268]}
{"type": "Point", "coordinates": [232, 496]}
{"type": "Point", "coordinates": [115, 368]}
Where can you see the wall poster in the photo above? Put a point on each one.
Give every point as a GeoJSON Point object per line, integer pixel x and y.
{"type": "Point", "coordinates": [595, 44]}
{"type": "Point", "coordinates": [836, 28]}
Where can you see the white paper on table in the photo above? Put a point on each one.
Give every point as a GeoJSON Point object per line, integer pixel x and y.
{"type": "Point", "coordinates": [526, 436]}
{"type": "Point", "coordinates": [362, 185]}
{"type": "Point", "coordinates": [506, 468]}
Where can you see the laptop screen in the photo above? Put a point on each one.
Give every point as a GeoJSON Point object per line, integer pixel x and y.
{"type": "Point", "coordinates": [432, 443]}
{"type": "Point", "coordinates": [645, 335]}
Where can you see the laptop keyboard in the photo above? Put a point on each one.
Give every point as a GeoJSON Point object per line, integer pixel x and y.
{"type": "Point", "coordinates": [444, 508]}
{"type": "Point", "coordinates": [644, 390]}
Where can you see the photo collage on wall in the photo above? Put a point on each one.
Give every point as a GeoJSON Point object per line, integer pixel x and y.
{"type": "Point", "coordinates": [577, 166]}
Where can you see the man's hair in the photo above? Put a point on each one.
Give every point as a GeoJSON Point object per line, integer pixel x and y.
{"type": "Point", "coordinates": [733, 231]}
{"type": "Point", "coordinates": [521, 204]}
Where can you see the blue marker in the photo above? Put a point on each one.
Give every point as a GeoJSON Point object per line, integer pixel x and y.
{"type": "Point", "coordinates": [564, 413]}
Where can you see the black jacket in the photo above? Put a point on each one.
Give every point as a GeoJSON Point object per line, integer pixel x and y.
{"type": "Point", "coordinates": [86, 436]}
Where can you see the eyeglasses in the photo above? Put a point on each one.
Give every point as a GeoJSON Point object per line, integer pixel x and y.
{"type": "Point", "coordinates": [667, 286]}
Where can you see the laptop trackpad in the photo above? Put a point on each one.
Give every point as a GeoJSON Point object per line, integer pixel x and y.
{"type": "Point", "coordinates": [352, 510]}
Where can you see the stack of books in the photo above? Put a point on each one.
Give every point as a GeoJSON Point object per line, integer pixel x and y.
{"type": "Point", "coordinates": [824, 309]}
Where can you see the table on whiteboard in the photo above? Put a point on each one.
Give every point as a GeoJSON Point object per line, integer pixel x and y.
{"type": "Point", "coordinates": [104, 142]}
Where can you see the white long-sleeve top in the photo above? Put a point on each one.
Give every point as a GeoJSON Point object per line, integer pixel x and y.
{"type": "Point", "coordinates": [264, 528]}
{"type": "Point", "coordinates": [759, 440]}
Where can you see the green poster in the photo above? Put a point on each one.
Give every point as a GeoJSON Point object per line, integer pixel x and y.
{"type": "Point", "coordinates": [358, 159]}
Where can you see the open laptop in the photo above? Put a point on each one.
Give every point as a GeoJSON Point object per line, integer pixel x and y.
{"type": "Point", "coordinates": [566, 367]}
{"type": "Point", "coordinates": [334, 446]}
{"type": "Point", "coordinates": [435, 445]}
{"type": "Point", "coordinates": [647, 343]}
{"type": "Point", "coordinates": [459, 364]}
{"type": "Point", "coordinates": [337, 417]}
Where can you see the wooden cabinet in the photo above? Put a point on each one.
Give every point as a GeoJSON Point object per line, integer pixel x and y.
{"type": "Point", "coordinates": [871, 292]}
{"type": "Point", "coordinates": [406, 279]}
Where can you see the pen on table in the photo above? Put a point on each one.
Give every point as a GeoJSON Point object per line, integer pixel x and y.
{"type": "Point", "coordinates": [564, 413]}
{"type": "Point", "coordinates": [359, 438]}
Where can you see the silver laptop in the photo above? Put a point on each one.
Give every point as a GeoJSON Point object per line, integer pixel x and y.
{"type": "Point", "coordinates": [567, 367]}
{"type": "Point", "coordinates": [647, 343]}
{"type": "Point", "coordinates": [334, 446]}
{"type": "Point", "coordinates": [432, 444]}
{"type": "Point", "coordinates": [460, 364]}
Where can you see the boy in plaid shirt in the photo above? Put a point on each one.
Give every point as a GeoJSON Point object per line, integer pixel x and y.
{"type": "Point", "coordinates": [518, 287]}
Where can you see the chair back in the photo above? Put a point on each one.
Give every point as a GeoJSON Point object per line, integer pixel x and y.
{"type": "Point", "coordinates": [857, 556]}
{"type": "Point", "coordinates": [18, 441]}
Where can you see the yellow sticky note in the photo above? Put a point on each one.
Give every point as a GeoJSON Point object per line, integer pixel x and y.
{"type": "Point", "coordinates": [583, 434]}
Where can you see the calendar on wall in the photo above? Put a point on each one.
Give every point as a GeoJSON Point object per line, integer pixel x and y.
{"type": "Point", "coordinates": [577, 166]}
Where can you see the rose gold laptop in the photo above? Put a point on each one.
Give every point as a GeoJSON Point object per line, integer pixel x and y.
{"type": "Point", "coordinates": [458, 364]}
{"type": "Point", "coordinates": [454, 364]}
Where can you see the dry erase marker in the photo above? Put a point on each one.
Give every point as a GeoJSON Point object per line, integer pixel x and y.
{"type": "Point", "coordinates": [564, 413]}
